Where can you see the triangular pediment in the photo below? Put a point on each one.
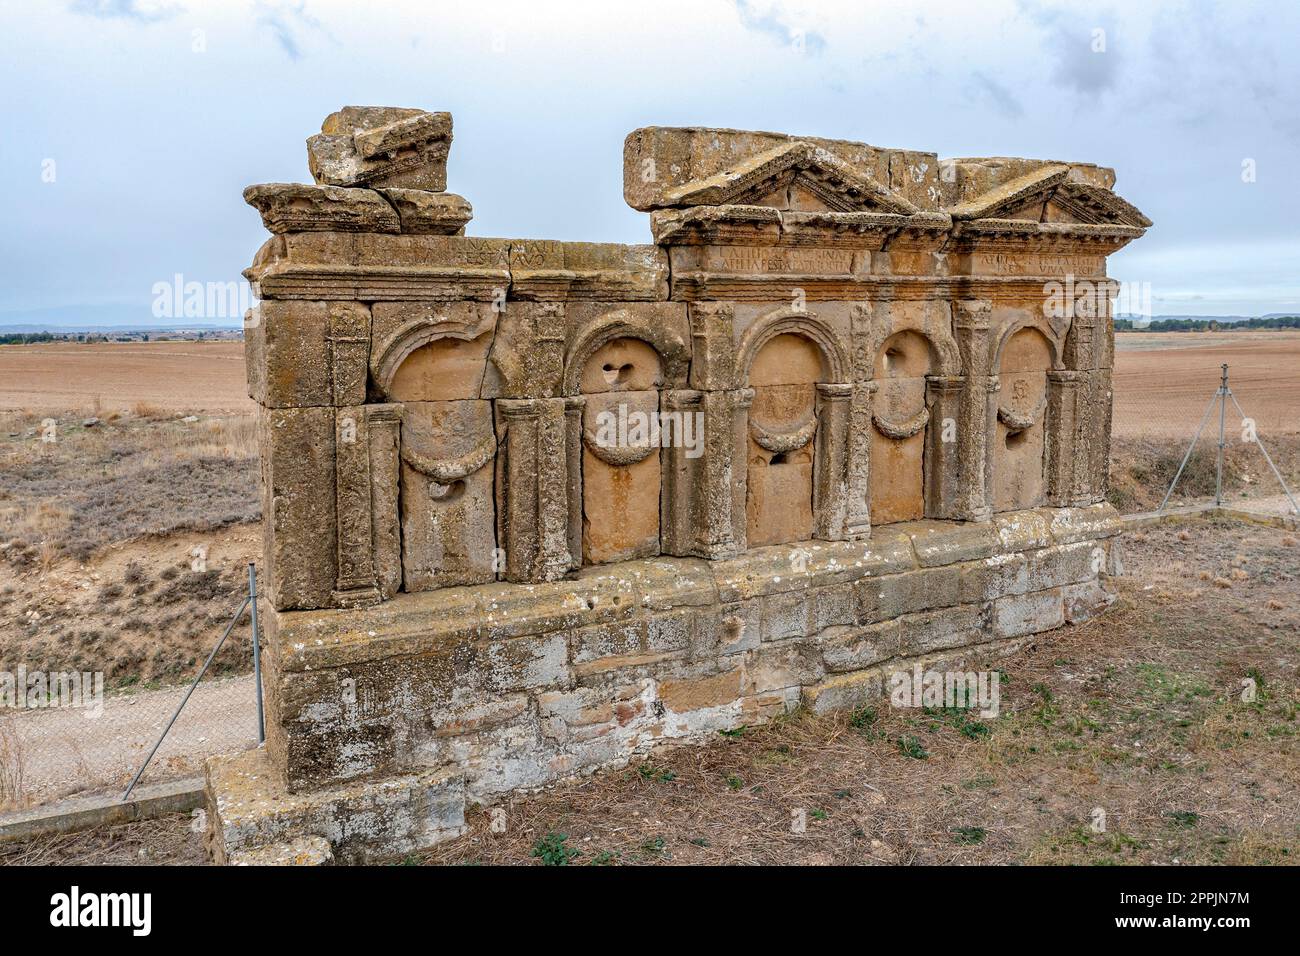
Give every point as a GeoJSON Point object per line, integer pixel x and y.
{"type": "Point", "coordinates": [1049, 195]}
{"type": "Point", "coordinates": [796, 175]}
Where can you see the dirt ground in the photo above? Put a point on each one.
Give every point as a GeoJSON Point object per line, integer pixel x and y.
{"type": "Point", "coordinates": [103, 376]}
{"type": "Point", "coordinates": [1164, 380]}
{"type": "Point", "coordinates": [1122, 740]}
{"type": "Point", "coordinates": [124, 544]}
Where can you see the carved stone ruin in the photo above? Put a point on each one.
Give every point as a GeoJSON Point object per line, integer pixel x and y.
{"type": "Point", "coordinates": [534, 507]}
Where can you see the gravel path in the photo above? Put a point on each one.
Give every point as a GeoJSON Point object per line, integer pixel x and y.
{"type": "Point", "coordinates": [62, 752]}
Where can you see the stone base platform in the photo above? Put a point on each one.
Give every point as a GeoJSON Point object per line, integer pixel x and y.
{"type": "Point", "coordinates": [253, 821]}
{"type": "Point", "coordinates": [383, 721]}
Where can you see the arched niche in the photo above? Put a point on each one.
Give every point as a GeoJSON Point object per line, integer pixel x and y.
{"type": "Point", "coordinates": [781, 447]}
{"type": "Point", "coordinates": [445, 369]}
{"type": "Point", "coordinates": [621, 438]}
{"type": "Point", "coordinates": [1019, 441]}
{"type": "Point", "coordinates": [900, 422]}
{"type": "Point", "coordinates": [448, 445]}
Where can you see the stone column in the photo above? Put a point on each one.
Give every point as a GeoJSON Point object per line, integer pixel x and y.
{"type": "Point", "coordinates": [944, 398]}
{"type": "Point", "coordinates": [349, 352]}
{"type": "Point", "coordinates": [354, 583]}
{"type": "Point", "coordinates": [680, 480]}
{"type": "Point", "coordinates": [718, 507]}
{"type": "Point", "coordinates": [1065, 450]}
{"type": "Point", "coordinates": [858, 520]}
{"type": "Point", "coordinates": [831, 464]}
{"type": "Point", "coordinates": [534, 495]}
{"type": "Point", "coordinates": [573, 407]}
{"type": "Point", "coordinates": [977, 408]}
{"type": "Point", "coordinates": [384, 426]}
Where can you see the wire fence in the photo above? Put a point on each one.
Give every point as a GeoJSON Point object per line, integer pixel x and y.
{"type": "Point", "coordinates": [1194, 430]}
{"type": "Point", "coordinates": [72, 738]}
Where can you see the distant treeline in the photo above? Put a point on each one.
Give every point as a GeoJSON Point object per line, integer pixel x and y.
{"type": "Point", "coordinates": [1208, 325]}
{"type": "Point", "coordinates": [31, 338]}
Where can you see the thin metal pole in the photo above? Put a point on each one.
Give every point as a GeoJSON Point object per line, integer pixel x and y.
{"type": "Point", "coordinates": [1268, 458]}
{"type": "Point", "coordinates": [1223, 411]}
{"type": "Point", "coordinates": [229, 627]}
{"type": "Point", "coordinates": [1195, 438]}
{"type": "Point", "coordinates": [257, 651]}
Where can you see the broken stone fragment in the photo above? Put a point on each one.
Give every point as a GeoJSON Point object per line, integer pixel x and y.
{"type": "Point", "coordinates": [294, 207]}
{"type": "Point", "coordinates": [382, 146]}
{"type": "Point", "coordinates": [429, 213]}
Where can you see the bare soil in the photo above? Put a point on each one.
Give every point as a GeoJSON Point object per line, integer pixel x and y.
{"type": "Point", "coordinates": [124, 545]}
{"type": "Point", "coordinates": [101, 377]}
{"type": "Point", "coordinates": [1164, 380]}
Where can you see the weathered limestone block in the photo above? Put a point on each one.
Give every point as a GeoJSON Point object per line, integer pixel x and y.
{"type": "Point", "coordinates": [1095, 522]}
{"type": "Point", "coordinates": [300, 851]}
{"type": "Point", "coordinates": [429, 213]}
{"type": "Point", "coordinates": [603, 271]}
{"type": "Point", "coordinates": [448, 526]}
{"type": "Point", "coordinates": [382, 146]}
{"type": "Point", "coordinates": [299, 505]}
{"type": "Point", "coordinates": [364, 823]}
{"type": "Point", "coordinates": [938, 543]}
{"type": "Point", "coordinates": [993, 577]}
{"type": "Point", "coordinates": [527, 358]}
{"type": "Point", "coordinates": [293, 207]}
{"type": "Point", "coordinates": [1019, 443]}
{"type": "Point", "coordinates": [620, 471]}
{"type": "Point", "coordinates": [658, 161]}
{"type": "Point", "coordinates": [845, 691]}
{"type": "Point", "coordinates": [855, 648]}
{"type": "Point", "coordinates": [944, 628]}
{"type": "Point", "coordinates": [653, 346]}
{"type": "Point", "coordinates": [888, 597]}
{"type": "Point", "coordinates": [374, 266]}
{"type": "Point", "coordinates": [307, 353]}
{"type": "Point", "coordinates": [901, 421]}
{"type": "Point", "coordinates": [1022, 530]}
{"type": "Point", "coordinates": [431, 352]}
{"type": "Point", "coordinates": [533, 489]}
{"type": "Point", "coordinates": [1086, 600]}
{"type": "Point", "coordinates": [1018, 615]}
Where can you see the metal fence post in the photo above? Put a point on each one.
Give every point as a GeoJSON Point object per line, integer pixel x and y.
{"type": "Point", "coordinates": [257, 651]}
{"type": "Point", "coordinates": [1218, 467]}
{"type": "Point", "coordinates": [184, 700]}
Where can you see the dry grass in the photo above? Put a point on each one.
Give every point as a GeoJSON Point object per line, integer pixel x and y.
{"type": "Point", "coordinates": [13, 792]}
{"type": "Point", "coordinates": [127, 477]}
{"type": "Point", "coordinates": [169, 839]}
{"type": "Point", "coordinates": [97, 535]}
{"type": "Point", "coordinates": [1142, 468]}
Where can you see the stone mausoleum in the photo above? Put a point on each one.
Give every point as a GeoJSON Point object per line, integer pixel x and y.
{"type": "Point", "coordinates": [533, 507]}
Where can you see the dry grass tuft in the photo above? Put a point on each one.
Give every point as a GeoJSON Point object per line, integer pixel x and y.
{"type": "Point", "coordinates": [149, 474]}
{"type": "Point", "coordinates": [13, 793]}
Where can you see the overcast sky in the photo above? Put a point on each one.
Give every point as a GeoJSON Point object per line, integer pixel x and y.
{"type": "Point", "coordinates": [150, 117]}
